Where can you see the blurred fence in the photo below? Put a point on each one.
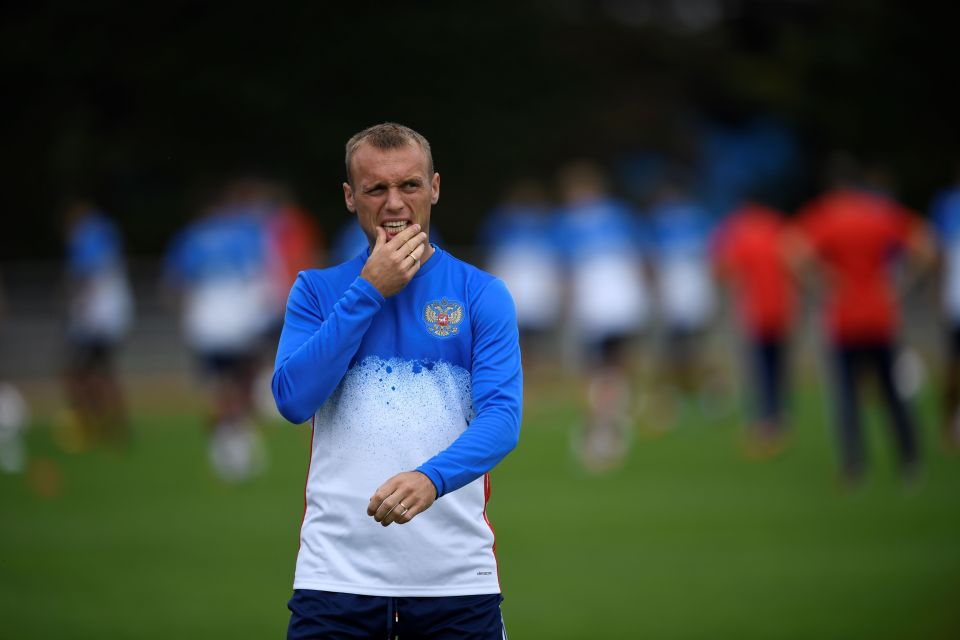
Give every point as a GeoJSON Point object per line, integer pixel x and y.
{"type": "Point", "coordinates": [32, 336]}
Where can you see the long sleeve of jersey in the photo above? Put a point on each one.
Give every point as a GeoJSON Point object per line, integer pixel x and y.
{"type": "Point", "coordinates": [497, 388]}
{"type": "Point", "coordinates": [315, 351]}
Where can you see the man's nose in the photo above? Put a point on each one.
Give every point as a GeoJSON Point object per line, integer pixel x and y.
{"type": "Point", "coordinates": [394, 201]}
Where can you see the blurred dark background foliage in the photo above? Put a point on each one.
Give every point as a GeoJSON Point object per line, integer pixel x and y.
{"type": "Point", "coordinates": [149, 107]}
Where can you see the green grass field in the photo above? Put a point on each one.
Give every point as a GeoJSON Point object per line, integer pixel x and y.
{"type": "Point", "coordinates": [688, 540]}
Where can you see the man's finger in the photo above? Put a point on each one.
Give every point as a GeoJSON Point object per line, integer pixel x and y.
{"type": "Point", "coordinates": [416, 254]}
{"type": "Point", "coordinates": [390, 506]}
{"type": "Point", "coordinates": [376, 500]}
{"type": "Point", "coordinates": [398, 240]}
{"type": "Point", "coordinates": [418, 240]}
{"type": "Point", "coordinates": [405, 516]}
{"type": "Point", "coordinates": [381, 238]}
{"type": "Point", "coordinates": [399, 513]}
{"type": "Point", "coordinates": [412, 271]}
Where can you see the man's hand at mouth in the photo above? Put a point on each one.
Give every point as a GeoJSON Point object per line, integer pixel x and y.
{"type": "Point", "coordinates": [392, 263]}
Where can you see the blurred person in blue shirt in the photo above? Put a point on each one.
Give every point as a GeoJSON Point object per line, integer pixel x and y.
{"type": "Point", "coordinates": [679, 238]}
{"type": "Point", "coordinates": [945, 216]}
{"type": "Point", "coordinates": [601, 241]}
{"type": "Point", "coordinates": [521, 249]}
{"type": "Point", "coordinates": [219, 264]}
{"type": "Point", "coordinates": [99, 314]}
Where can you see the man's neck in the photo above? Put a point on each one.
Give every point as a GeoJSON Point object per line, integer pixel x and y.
{"type": "Point", "coordinates": [427, 252]}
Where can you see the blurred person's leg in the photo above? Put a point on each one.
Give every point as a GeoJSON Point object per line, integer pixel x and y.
{"type": "Point", "coordinates": [692, 379]}
{"type": "Point", "coordinates": [235, 452]}
{"type": "Point", "coordinates": [83, 395]}
{"type": "Point", "coordinates": [847, 365]}
{"type": "Point", "coordinates": [111, 410]}
{"type": "Point", "coordinates": [681, 358]}
{"type": "Point", "coordinates": [776, 375]}
{"type": "Point", "coordinates": [14, 416]}
{"type": "Point", "coordinates": [767, 365]}
{"type": "Point", "coordinates": [901, 420]}
{"type": "Point", "coordinates": [73, 382]}
{"type": "Point", "coordinates": [951, 392]}
{"type": "Point", "coordinates": [608, 396]}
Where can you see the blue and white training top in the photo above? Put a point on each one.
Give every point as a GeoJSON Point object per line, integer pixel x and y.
{"type": "Point", "coordinates": [522, 251]}
{"type": "Point", "coordinates": [428, 379]}
{"type": "Point", "coordinates": [679, 235]}
{"type": "Point", "coordinates": [221, 264]}
{"type": "Point", "coordinates": [601, 241]}
{"type": "Point", "coordinates": [101, 302]}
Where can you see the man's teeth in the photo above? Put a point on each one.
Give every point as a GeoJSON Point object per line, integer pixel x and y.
{"type": "Point", "coordinates": [395, 226]}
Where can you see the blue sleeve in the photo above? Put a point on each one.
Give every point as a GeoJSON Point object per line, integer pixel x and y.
{"type": "Point", "coordinates": [497, 382]}
{"type": "Point", "coordinates": [315, 350]}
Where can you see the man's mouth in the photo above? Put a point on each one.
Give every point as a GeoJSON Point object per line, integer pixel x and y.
{"type": "Point", "coordinates": [396, 226]}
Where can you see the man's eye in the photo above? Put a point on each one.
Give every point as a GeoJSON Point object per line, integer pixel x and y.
{"type": "Point", "coordinates": [410, 186]}
{"type": "Point", "coordinates": [375, 191]}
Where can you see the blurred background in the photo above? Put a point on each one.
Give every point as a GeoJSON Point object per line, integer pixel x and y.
{"type": "Point", "coordinates": [682, 471]}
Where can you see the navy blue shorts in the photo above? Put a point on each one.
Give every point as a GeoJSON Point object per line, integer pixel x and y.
{"type": "Point", "coordinates": [324, 614]}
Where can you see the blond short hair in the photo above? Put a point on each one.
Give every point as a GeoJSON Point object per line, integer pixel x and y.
{"type": "Point", "coordinates": [388, 135]}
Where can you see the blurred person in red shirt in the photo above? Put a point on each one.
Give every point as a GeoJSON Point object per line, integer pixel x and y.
{"type": "Point", "coordinates": [855, 234]}
{"type": "Point", "coordinates": [751, 254]}
{"type": "Point", "coordinates": [296, 242]}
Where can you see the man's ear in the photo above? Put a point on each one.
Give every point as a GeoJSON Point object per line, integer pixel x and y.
{"type": "Point", "coordinates": [435, 184]}
{"type": "Point", "coordinates": [348, 197]}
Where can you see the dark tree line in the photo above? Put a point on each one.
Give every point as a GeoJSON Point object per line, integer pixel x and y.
{"type": "Point", "coordinates": [147, 107]}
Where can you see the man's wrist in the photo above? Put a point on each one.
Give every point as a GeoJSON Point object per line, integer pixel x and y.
{"type": "Point", "coordinates": [434, 479]}
{"type": "Point", "coordinates": [369, 288]}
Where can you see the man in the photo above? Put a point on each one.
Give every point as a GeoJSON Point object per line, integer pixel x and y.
{"type": "Point", "coordinates": [751, 256]}
{"type": "Point", "coordinates": [100, 313]}
{"type": "Point", "coordinates": [219, 265]}
{"type": "Point", "coordinates": [854, 234]}
{"type": "Point", "coordinates": [679, 232]}
{"type": "Point", "coordinates": [520, 249]}
{"type": "Point", "coordinates": [407, 360]}
{"type": "Point", "coordinates": [600, 240]}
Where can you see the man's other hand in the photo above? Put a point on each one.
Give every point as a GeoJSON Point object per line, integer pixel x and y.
{"type": "Point", "coordinates": [401, 498]}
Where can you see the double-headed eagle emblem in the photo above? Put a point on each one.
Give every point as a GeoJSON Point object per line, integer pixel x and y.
{"type": "Point", "coordinates": [443, 317]}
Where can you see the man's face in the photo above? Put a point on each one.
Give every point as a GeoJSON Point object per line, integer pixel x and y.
{"type": "Point", "coordinates": [391, 189]}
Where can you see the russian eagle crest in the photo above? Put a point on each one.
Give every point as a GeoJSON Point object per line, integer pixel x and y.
{"type": "Point", "coordinates": [442, 317]}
